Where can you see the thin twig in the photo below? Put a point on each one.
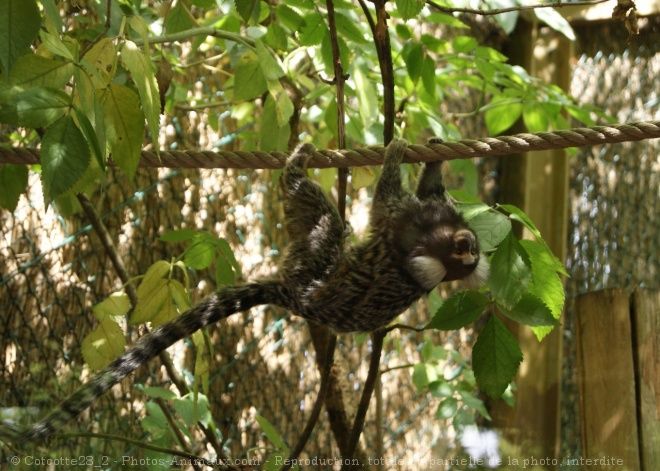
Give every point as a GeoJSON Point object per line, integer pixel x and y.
{"type": "Point", "coordinates": [175, 428]}
{"type": "Point", "coordinates": [498, 11]}
{"type": "Point", "coordinates": [365, 399]}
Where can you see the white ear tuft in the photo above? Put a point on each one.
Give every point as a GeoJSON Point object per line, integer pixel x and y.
{"type": "Point", "coordinates": [479, 276]}
{"type": "Point", "coordinates": [428, 271]}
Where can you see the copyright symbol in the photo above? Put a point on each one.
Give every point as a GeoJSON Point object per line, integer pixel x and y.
{"type": "Point", "coordinates": [15, 460]}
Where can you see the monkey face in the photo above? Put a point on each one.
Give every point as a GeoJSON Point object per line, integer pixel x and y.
{"type": "Point", "coordinates": [447, 255]}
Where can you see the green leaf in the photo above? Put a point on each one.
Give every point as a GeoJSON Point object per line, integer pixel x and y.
{"type": "Point", "coordinates": [313, 30]}
{"type": "Point", "coordinates": [13, 183]}
{"type": "Point", "coordinates": [447, 408]}
{"type": "Point", "coordinates": [362, 177]}
{"type": "Point", "coordinates": [35, 107]}
{"type": "Point", "coordinates": [423, 375]}
{"type": "Point", "coordinates": [249, 79]}
{"type": "Point", "coordinates": [90, 136]}
{"type": "Point", "coordinates": [347, 28]}
{"type": "Point", "coordinates": [200, 254]}
{"type": "Point", "coordinates": [546, 283]}
{"type": "Point", "coordinates": [269, 65]}
{"type": "Point", "coordinates": [413, 55]}
{"type": "Point", "coordinates": [409, 8]}
{"type": "Point", "coordinates": [272, 434]}
{"type": "Point", "coordinates": [179, 235]}
{"type": "Point", "coordinates": [535, 118]}
{"type": "Point", "coordinates": [553, 18]}
{"type": "Point", "coordinates": [471, 210]}
{"type": "Point", "coordinates": [459, 311]}
{"type": "Point", "coordinates": [272, 136]}
{"type": "Point", "coordinates": [124, 126]}
{"type": "Point", "coordinates": [157, 392]}
{"type": "Point", "coordinates": [366, 93]}
{"type": "Point", "coordinates": [446, 19]}
{"type": "Point", "coordinates": [289, 17]}
{"type": "Point", "coordinates": [32, 71]}
{"type": "Point", "coordinates": [531, 311]}
{"type": "Point", "coordinates": [502, 113]}
{"type": "Point", "coordinates": [193, 409]}
{"type": "Point", "coordinates": [65, 157]}
{"type": "Point", "coordinates": [276, 37]}
{"type": "Point", "coordinates": [428, 76]}
{"type": "Point", "coordinates": [468, 170]}
{"type": "Point", "coordinates": [510, 272]}
{"type": "Point", "coordinates": [464, 44]}
{"type": "Point", "coordinates": [115, 305]}
{"type": "Point", "coordinates": [495, 358]}
{"type": "Point", "coordinates": [245, 8]}
{"type": "Point", "coordinates": [103, 344]}
{"type": "Point", "coordinates": [19, 25]}
{"type": "Point", "coordinates": [491, 228]}
{"type": "Point", "coordinates": [143, 73]}
{"type": "Point", "coordinates": [55, 45]}
{"type": "Point", "coordinates": [178, 19]}
{"type": "Point", "coordinates": [100, 62]}
{"type": "Point", "coordinates": [227, 253]}
{"type": "Point", "coordinates": [151, 301]}
{"type": "Point", "coordinates": [224, 275]}
{"type": "Point", "coordinates": [475, 403]}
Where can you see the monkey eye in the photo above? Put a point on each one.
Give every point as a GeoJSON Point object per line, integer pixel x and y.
{"type": "Point", "coordinates": [458, 251]}
{"type": "Point", "coordinates": [473, 253]}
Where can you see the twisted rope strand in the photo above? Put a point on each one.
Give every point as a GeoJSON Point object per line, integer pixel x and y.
{"type": "Point", "coordinates": [373, 155]}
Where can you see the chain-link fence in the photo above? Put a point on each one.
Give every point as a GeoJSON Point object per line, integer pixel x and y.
{"type": "Point", "coordinates": [614, 231]}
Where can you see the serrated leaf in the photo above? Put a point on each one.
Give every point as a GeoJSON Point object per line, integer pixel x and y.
{"type": "Point", "coordinates": [249, 79]}
{"type": "Point", "coordinates": [178, 19]}
{"type": "Point", "coordinates": [313, 30]}
{"type": "Point", "coordinates": [347, 28]}
{"type": "Point", "coordinates": [496, 356]}
{"type": "Point", "coordinates": [90, 136]}
{"type": "Point", "coordinates": [362, 177]}
{"type": "Point", "coordinates": [459, 311]}
{"type": "Point", "coordinates": [152, 278]}
{"type": "Point", "coordinates": [36, 107]}
{"type": "Point", "coordinates": [546, 283]}
{"type": "Point", "coordinates": [124, 126]}
{"type": "Point", "coordinates": [31, 71]}
{"type": "Point", "coordinates": [276, 37]}
{"type": "Point", "coordinates": [179, 235]}
{"type": "Point", "coordinates": [290, 18]}
{"type": "Point", "coordinates": [65, 157]}
{"type": "Point", "coordinates": [531, 311]}
{"type": "Point", "coordinates": [13, 183]}
{"type": "Point", "coordinates": [491, 228]}
{"type": "Point", "coordinates": [272, 434]}
{"type": "Point", "coordinates": [117, 304]}
{"type": "Point", "coordinates": [143, 73]}
{"type": "Point", "coordinates": [409, 8]}
{"type": "Point", "coordinates": [103, 344]}
{"type": "Point", "coordinates": [100, 62]}
{"type": "Point", "coordinates": [19, 26]}
{"type": "Point", "coordinates": [245, 8]}
{"type": "Point", "coordinates": [471, 210]}
{"type": "Point", "coordinates": [510, 272]}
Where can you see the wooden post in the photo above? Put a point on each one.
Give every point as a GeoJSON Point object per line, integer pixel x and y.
{"type": "Point", "coordinates": [646, 322]}
{"type": "Point", "coordinates": [607, 378]}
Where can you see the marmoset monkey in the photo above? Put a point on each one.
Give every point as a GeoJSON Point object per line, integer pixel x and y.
{"type": "Point", "coordinates": [416, 242]}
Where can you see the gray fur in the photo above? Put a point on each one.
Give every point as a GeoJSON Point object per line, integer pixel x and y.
{"type": "Point", "coordinates": [355, 289]}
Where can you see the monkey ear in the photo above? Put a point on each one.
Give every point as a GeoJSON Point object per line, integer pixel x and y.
{"type": "Point", "coordinates": [428, 271]}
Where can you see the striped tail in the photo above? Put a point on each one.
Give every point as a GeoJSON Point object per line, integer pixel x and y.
{"type": "Point", "coordinates": [221, 304]}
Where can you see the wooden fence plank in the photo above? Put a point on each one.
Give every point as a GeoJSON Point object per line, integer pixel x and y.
{"type": "Point", "coordinates": [607, 386]}
{"type": "Point", "coordinates": [646, 319]}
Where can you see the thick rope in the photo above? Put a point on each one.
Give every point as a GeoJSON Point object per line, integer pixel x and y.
{"type": "Point", "coordinates": [465, 149]}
